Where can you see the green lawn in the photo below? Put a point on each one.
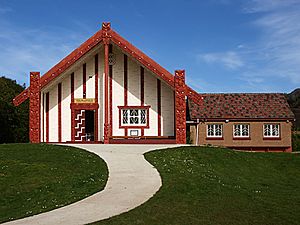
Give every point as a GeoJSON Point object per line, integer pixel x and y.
{"type": "Point", "coordinates": [36, 178]}
{"type": "Point", "coordinates": [220, 186]}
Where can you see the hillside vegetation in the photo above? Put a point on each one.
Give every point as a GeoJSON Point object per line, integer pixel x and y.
{"type": "Point", "coordinates": [13, 120]}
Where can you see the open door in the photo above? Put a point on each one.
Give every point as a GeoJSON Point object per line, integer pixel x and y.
{"type": "Point", "coordinates": [89, 125]}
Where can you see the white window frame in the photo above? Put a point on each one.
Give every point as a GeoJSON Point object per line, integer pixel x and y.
{"type": "Point", "coordinates": [241, 127]}
{"type": "Point", "coordinates": [215, 129]}
{"type": "Point", "coordinates": [139, 117]}
{"type": "Point", "coordinates": [272, 127]}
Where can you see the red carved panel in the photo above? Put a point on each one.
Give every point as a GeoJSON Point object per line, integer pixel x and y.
{"type": "Point", "coordinates": [180, 106]}
{"type": "Point", "coordinates": [106, 116]}
{"type": "Point", "coordinates": [194, 96]}
{"type": "Point", "coordinates": [59, 97]}
{"type": "Point", "coordinates": [21, 97]}
{"type": "Point", "coordinates": [106, 26]}
{"type": "Point", "coordinates": [34, 108]}
{"type": "Point", "coordinates": [79, 123]}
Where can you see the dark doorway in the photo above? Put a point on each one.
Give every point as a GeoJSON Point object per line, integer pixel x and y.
{"type": "Point", "coordinates": [89, 125]}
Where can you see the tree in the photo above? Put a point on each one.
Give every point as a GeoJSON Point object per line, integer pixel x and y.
{"type": "Point", "coordinates": [14, 121]}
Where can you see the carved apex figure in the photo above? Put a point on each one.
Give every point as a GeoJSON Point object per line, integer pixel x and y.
{"type": "Point", "coordinates": [106, 26]}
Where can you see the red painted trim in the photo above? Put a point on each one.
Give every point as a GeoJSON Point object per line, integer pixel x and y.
{"type": "Point", "coordinates": [146, 126]}
{"type": "Point", "coordinates": [106, 71]}
{"type": "Point", "coordinates": [34, 108]}
{"type": "Point", "coordinates": [159, 107]}
{"type": "Point", "coordinates": [110, 94]}
{"type": "Point", "coordinates": [20, 98]}
{"type": "Point", "coordinates": [142, 141]}
{"type": "Point", "coordinates": [134, 106]}
{"type": "Point", "coordinates": [47, 117]}
{"type": "Point", "coordinates": [142, 85]}
{"type": "Point", "coordinates": [86, 106]}
{"type": "Point", "coordinates": [125, 88]}
{"type": "Point", "coordinates": [96, 97]}
{"type": "Point", "coordinates": [72, 111]}
{"type": "Point", "coordinates": [59, 111]}
{"type": "Point", "coordinates": [84, 80]}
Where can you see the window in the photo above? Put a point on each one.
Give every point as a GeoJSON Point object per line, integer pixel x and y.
{"type": "Point", "coordinates": [271, 130]}
{"type": "Point", "coordinates": [214, 130]}
{"type": "Point", "coordinates": [241, 130]}
{"type": "Point", "coordinates": [133, 116]}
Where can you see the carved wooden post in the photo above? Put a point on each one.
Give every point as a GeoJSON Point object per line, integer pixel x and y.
{"type": "Point", "coordinates": [106, 29]}
{"type": "Point", "coordinates": [34, 108]}
{"type": "Point", "coordinates": [180, 107]}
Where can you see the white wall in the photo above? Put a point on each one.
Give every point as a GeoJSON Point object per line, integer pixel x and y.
{"type": "Point", "coordinates": [118, 91]}
{"type": "Point", "coordinates": [167, 110]}
{"type": "Point", "coordinates": [134, 93]}
{"type": "Point", "coordinates": [150, 93]}
{"type": "Point", "coordinates": [65, 109]}
{"type": "Point", "coordinates": [90, 82]}
{"type": "Point", "coordinates": [53, 114]}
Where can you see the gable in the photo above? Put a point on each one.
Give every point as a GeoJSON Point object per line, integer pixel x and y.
{"type": "Point", "coordinates": [105, 33]}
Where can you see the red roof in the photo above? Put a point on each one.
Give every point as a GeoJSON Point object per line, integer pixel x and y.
{"type": "Point", "coordinates": [241, 106]}
{"type": "Point", "coordinates": [105, 33]}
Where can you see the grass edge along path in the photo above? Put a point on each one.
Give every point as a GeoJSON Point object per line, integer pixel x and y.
{"type": "Point", "coordinates": [203, 185]}
{"type": "Point", "coordinates": [36, 178]}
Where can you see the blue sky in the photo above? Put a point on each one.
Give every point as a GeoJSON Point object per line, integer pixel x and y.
{"type": "Point", "coordinates": [224, 45]}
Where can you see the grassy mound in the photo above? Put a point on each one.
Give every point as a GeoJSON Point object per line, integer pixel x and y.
{"type": "Point", "coordinates": [220, 186]}
{"type": "Point", "coordinates": [35, 178]}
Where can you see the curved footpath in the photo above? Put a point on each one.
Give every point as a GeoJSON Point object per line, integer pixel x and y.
{"type": "Point", "coordinates": [131, 182]}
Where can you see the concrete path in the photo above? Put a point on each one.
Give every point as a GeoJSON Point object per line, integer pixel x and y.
{"type": "Point", "coordinates": [131, 182]}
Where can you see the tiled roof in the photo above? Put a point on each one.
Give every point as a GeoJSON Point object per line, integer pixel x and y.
{"type": "Point", "coordinates": [241, 106]}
